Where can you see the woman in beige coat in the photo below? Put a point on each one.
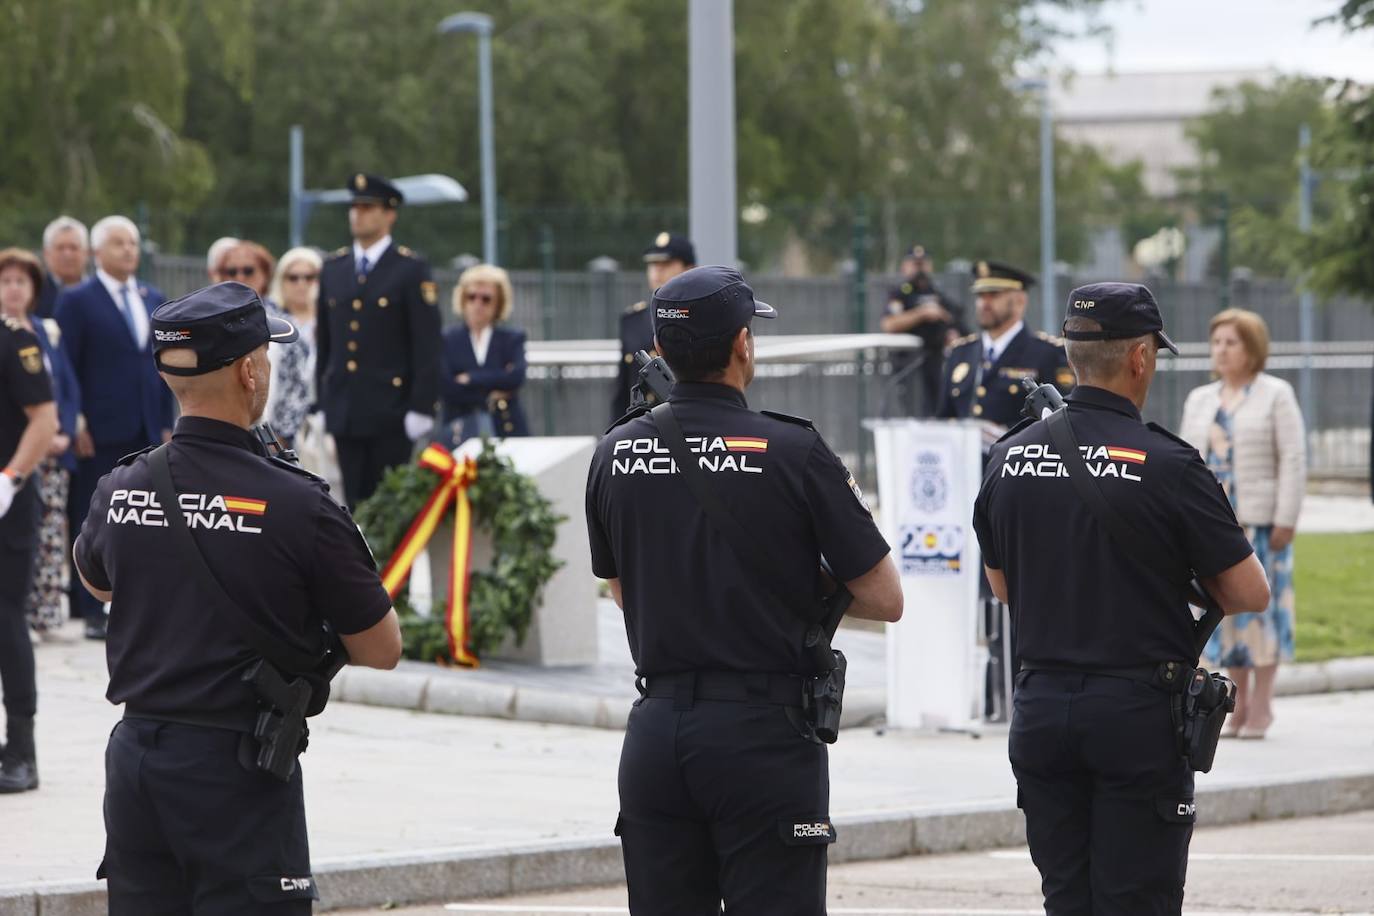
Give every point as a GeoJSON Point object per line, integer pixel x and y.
{"type": "Point", "coordinates": [1248, 428]}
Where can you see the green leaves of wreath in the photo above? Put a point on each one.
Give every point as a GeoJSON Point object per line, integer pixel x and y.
{"type": "Point", "coordinates": [523, 527]}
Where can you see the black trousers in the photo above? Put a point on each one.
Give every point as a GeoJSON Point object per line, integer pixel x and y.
{"type": "Point", "coordinates": [1108, 800]}
{"type": "Point", "coordinates": [84, 481]}
{"type": "Point", "coordinates": [722, 801]}
{"type": "Point", "coordinates": [18, 549]}
{"type": "Point", "coordinates": [191, 830]}
{"type": "Point", "coordinates": [362, 461]}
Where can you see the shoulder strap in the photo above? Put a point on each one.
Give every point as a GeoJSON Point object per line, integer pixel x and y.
{"type": "Point", "coordinates": [744, 544]}
{"type": "Point", "coordinates": [193, 562]}
{"type": "Point", "coordinates": [1127, 536]}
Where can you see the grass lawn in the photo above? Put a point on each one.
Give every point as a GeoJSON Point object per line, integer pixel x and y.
{"type": "Point", "coordinates": [1334, 583]}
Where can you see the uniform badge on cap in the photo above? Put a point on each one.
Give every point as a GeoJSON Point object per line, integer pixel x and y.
{"type": "Point", "coordinates": [360, 181]}
{"type": "Point", "coordinates": [983, 269]}
{"type": "Point", "coordinates": [661, 241]}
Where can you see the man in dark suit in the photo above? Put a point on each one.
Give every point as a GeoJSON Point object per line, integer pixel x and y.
{"type": "Point", "coordinates": [125, 405]}
{"type": "Point", "coordinates": [667, 257]}
{"type": "Point", "coordinates": [66, 252]}
{"type": "Point", "coordinates": [982, 372]}
{"type": "Point", "coordinates": [377, 338]}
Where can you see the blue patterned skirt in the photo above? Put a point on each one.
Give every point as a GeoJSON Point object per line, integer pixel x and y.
{"type": "Point", "coordinates": [1264, 638]}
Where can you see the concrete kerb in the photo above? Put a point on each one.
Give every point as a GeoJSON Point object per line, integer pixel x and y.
{"type": "Point", "coordinates": [544, 866]}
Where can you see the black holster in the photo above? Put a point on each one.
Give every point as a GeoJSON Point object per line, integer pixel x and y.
{"type": "Point", "coordinates": [823, 700]}
{"type": "Point", "coordinates": [280, 730]}
{"type": "Point", "coordinates": [1199, 711]}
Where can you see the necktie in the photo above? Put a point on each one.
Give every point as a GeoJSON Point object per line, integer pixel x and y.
{"type": "Point", "coordinates": [127, 311]}
{"type": "Point", "coordinates": [362, 266]}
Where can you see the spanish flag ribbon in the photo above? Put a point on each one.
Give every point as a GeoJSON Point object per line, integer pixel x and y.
{"type": "Point", "coordinates": [454, 479]}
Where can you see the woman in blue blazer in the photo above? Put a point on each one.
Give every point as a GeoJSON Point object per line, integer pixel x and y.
{"type": "Point", "coordinates": [21, 279]}
{"type": "Point", "coordinates": [482, 362]}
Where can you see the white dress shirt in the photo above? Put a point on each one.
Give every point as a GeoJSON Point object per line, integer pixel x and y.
{"type": "Point", "coordinates": [992, 349]}
{"type": "Point", "coordinates": [481, 341]}
{"type": "Point", "coordinates": [373, 252]}
{"type": "Point", "coordinates": [137, 308]}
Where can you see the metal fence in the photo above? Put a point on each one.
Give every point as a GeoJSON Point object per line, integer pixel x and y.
{"type": "Point", "coordinates": [839, 393]}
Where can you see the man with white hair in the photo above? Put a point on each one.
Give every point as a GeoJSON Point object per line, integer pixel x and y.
{"type": "Point", "coordinates": [125, 405]}
{"type": "Point", "coordinates": [66, 252]}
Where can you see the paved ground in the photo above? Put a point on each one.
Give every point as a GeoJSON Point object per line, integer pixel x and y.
{"type": "Point", "coordinates": [1317, 865]}
{"type": "Point", "coordinates": [382, 781]}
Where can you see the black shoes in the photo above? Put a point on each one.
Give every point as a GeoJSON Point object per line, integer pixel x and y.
{"type": "Point", "coordinates": [95, 629]}
{"type": "Point", "coordinates": [18, 763]}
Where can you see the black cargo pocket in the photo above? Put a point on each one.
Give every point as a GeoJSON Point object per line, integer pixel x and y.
{"type": "Point", "coordinates": [806, 831]}
{"type": "Point", "coordinates": [279, 888]}
{"type": "Point", "coordinates": [1175, 809]}
{"type": "Point", "coordinates": [619, 819]}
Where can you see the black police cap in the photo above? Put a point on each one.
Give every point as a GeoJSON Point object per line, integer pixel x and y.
{"type": "Point", "coordinates": [994, 276]}
{"type": "Point", "coordinates": [220, 323]}
{"type": "Point", "coordinates": [1124, 310]}
{"type": "Point", "coordinates": [669, 247]}
{"type": "Point", "coordinates": [375, 188]}
{"type": "Point", "coordinates": [917, 253]}
{"type": "Point", "coordinates": [707, 302]}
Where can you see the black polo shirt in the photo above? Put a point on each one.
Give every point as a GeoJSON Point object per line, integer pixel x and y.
{"type": "Point", "coordinates": [276, 542]}
{"type": "Point", "coordinates": [691, 602]}
{"type": "Point", "coordinates": [24, 383]}
{"type": "Point", "coordinates": [1076, 598]}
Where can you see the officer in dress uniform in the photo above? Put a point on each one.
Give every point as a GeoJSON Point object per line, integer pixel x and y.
{"type": "Point", "coordinates": [1107, 795]}
{"type": "Point", "coordinates": [722, 797]}
{"type": "Point", "coordinates": [983, 371]}
{"type": "Point", "coordinates": [377, 368]}
{"type": "Point", "coordinates": [28, 422]}
{"type": "Point", "coordinates": [667, 257]}
{"type": "Point", "coordinates": [918, 307]}
{"type": "Point", "coordinates": [190, 821]}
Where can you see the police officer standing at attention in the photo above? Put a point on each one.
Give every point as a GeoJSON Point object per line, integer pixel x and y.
{"type": "Point", "coordinates": [257, 559]}
{"type": "Point", "coordinates": [918, 307]}
{"type": "Point", "coordinates": [28, 422]}
{"type": "Point", "coordinates": [1101, 625]}
{"type": "Point", "coordinates": [377, 366]}
{"type": "Point", "coordinates": [667, 257]}
{"type": "Point", "coordinates": [724, 792]}
{"type": "Point", "coordinates": [983, 371]}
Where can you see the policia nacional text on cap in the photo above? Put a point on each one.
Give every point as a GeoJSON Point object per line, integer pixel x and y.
{"type": "Point", "coordinates": [1105, 639]}
{"type": "Point", "coordinates": [723, 794]}
{"type": "Point", "coordinates": [259, 560]}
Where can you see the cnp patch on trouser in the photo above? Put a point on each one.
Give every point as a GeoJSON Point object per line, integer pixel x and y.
{"type": "Point", "coordinates": [721, 802]}
{"type": "Point", "coordinates": [190, 830]}
{"type": "Point", "coordinates": [1108, 800]}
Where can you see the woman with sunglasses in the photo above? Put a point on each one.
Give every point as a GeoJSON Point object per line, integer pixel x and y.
{"type": "Point", "coordinates": [295, 289]}
{"type": "Point", "coordinates": [250, 264]}
{"type": "Point", "coordinates": [482, 362]}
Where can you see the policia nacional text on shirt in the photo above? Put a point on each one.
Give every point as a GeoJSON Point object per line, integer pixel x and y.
{"type": "Point", "coordinates": [723, 794]}
{"type": "Point", "coordinates": [1100, 771]}
{"type": "Point", "coordinates": [192, 821]}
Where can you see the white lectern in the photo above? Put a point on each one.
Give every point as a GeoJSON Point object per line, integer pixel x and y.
{"type": "Point", "coordinates": [928, 477]}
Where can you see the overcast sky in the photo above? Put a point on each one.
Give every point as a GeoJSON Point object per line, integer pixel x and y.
{"type": "Point", "coordinates": [1225, 35]}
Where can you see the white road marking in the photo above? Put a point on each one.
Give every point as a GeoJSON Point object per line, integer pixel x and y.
{"type": "Point", "coordinates": [1019, 855]}
{"type": "Point", "coordinates": [845, 911]}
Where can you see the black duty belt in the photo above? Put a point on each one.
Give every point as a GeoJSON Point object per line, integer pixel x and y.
{"type": "Point", "coordinates": [730, 686]}
{"type": "Point", "coordinates": [226, 719]}
{"type": "Point", "coordinates": [1171, 677]}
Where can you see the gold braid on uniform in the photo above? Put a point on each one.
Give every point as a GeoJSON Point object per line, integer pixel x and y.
{"type": "Point", "coordinates": [522, 525]}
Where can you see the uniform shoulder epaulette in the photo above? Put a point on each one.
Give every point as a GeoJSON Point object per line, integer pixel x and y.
{"type": "Point", "coordinates": [788, 418]}
{"type": "Point", "coordinates": [627, 416]}
{"type": "Point", "coordinates": [966, 339]}
{"type": "Point", "coordinates": [339, 252]}
{"type": "Point", "coordinates": [280, 462]}
{"type": "Point", "coordinates": [1169, 434]}
{"type": "Point", "coordinates": [638, 307]}
{"type": "Point", "coordinates": [404, 251]}
{"type": "Point", "coordinates": [129, 458]}
{"type": "Point", "coordinates": [1050, 338]}
{"type": "Point", "coordinates": [1015, 429]}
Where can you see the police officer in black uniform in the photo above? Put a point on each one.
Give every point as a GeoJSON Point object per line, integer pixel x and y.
{"type": "Point", "coordinates": [1107, 796]}
{"type": "Point", "coordinates": [983, 371]}
{"type": "Point", "coordinates": [377, 367]}
{"type": "Point", "coordinates": [191, 822]}
{"type": "Point", "coordinates": [722, 796]}
{"type": "Point", "coordinates": [918, 307]}
{"type": "Point", "coordinates": [667, 257]}
{"type": "Point", "coordinates": [28, 422]}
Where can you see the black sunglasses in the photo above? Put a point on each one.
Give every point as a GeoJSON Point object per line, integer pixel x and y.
{"type": "Point", "coordinates": [247, 271]}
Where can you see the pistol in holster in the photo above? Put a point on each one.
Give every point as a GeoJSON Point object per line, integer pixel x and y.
{"type": "Point", "coordinates": [1199, 710]}
{"type": "Point", "coordinates": [823, 694]}
{"type": "Point", "coordinates": [285, 702]}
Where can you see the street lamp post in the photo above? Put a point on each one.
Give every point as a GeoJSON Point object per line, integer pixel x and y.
{"type": "Point", "coordinates": [1048, 288]}
{"type": "Point", "coordinates": [480, 25]}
